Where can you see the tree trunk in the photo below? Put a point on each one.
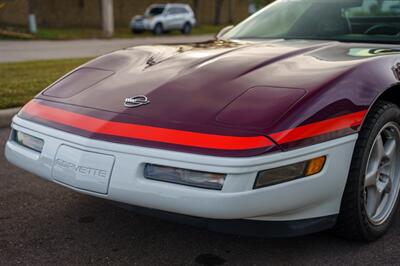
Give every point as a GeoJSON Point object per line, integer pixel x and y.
{"type": "Point", "coordinates": [218, 9]}
{"type": "Point", "coordinates": [107, 17]}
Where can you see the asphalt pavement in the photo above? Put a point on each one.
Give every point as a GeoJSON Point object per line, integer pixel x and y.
{"type": "Point", "coordinates": [42, 223]}
{"type": "Point", "coordinates": [14, 51]}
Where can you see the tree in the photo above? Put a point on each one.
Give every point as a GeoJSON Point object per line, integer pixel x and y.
{"type": "Point", "coordinates": [107, 17]}
{"type": "Point", "coordinates": [218, 9]}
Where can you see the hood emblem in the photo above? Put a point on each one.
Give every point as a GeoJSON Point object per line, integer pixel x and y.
{"type": "Point", "coordinates": [136, 101]}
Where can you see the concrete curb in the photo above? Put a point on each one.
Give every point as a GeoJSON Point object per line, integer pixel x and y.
{"type": "Point", "coordinates": [6, 115]}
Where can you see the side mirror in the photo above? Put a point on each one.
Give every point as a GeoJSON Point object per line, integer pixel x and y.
{"type": "Point", "coordinates": [223, 31]}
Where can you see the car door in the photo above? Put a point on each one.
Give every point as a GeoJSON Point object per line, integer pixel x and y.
{"type": "Point", "coordinates": [170, 20]}
{"type": "Point", "coordinates": [181, 19]}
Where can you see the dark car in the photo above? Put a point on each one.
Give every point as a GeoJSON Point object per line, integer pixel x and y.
{"type": "Point", "coordinates": [287, 124]}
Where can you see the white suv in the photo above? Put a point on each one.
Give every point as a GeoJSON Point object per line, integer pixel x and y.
{"type": "Point", "coordinates": [160, 18]}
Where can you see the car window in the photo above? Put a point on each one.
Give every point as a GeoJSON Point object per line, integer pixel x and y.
{"type": "Point", "coordinates": [343, 20]}
{"type": "Point", "coordinates": [154, 11]}
{"type": "Point", "coordinates": [388, 8]}
{"type": "Point", "coordinates": [279, 21]}
{"type": "Point", "coordinates": [173, 11]}
{"type": "Point", "coordinates": [182, 10]}
{"type": "Point", "coordinates": [177, 11]}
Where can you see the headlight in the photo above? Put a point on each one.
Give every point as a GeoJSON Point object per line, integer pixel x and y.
{"type": "Point", "coordinates": [184, 176]}
{"type": "Point", "coordinates": [290, 172]}
{"type": "Point", "coordinates": [28, 141]}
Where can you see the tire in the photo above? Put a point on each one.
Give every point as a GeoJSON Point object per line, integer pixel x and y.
{"type": "Point", "coordinates": [187, 28]}
{"type": "Point", "coordinates": [158, 29]}
{"type": "Point", "coordinates": [361, 215]}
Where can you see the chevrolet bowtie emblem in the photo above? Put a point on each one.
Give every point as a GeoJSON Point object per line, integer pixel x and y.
{"type": "Point", "coordinates": [136, 101]}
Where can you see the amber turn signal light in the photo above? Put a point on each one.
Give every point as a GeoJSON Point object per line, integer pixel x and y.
{"type": "Point", "coordinates": [290, 172]}
{"type": "Point", "coordinates": [315, 166]}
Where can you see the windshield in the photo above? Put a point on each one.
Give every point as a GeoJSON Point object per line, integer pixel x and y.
{"type": "Point", "coordinates": [154, 11]}
{"type": "Point", "coordinates": [342, 20]}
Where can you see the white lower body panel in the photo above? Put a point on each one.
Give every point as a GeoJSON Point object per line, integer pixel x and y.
{"type": "Point", "coordinates": [310, 197]}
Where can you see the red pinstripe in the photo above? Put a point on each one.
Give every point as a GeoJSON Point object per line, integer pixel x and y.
{"type": "Point", "coordinates": [142, 132]}
{"type": "Point", "coordinates": [319, 128]}
{"type": "Point", "coordinates": [188, 138]}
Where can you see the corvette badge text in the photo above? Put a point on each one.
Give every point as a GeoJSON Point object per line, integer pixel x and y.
{"type": "Point", "coordinates": [88, 171]}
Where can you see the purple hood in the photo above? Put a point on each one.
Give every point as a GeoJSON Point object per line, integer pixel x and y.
{"type": "Point", "coordinates": [228, 88]}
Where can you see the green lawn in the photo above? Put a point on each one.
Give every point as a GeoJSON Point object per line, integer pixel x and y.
{"type": "Point", "coordinates": [21, 81]}
{"type": "Point", "coordinates": [88, 33]}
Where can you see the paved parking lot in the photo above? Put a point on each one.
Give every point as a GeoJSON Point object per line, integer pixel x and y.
{"type": "Point", "coordinates": [42, 224]}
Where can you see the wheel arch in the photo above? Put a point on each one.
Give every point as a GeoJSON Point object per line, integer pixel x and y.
{"type": "Point", "coordinates": [390, 94]}
{"type": "Point", "coordinates": [158, 23]}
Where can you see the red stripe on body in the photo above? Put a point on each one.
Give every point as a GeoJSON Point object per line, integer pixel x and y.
{"type": "Point", "coordinates": [149, 133]}
{"type": "Point", "coordinates": [188, 138]}
{"type": "Point", "coordinates": [319, 128]}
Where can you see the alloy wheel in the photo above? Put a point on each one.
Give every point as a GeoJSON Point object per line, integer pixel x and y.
{"type": "Point", "coordinates": [381, 183]}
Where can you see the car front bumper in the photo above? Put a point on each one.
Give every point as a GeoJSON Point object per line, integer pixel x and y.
{"type": "Point", "coordinates": [141, 25]}
{"type": "Point", "coordinates": [306, 198]}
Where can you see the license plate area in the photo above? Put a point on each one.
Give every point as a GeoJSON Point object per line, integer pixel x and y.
{"type": "Point", "coordinates": [82, 169]}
